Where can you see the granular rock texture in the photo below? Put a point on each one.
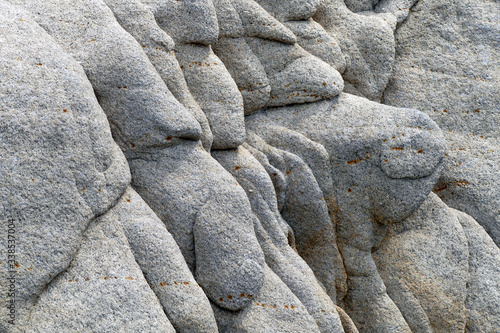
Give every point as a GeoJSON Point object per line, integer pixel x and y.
{"type": "Point", "coordinates": [249, 166]}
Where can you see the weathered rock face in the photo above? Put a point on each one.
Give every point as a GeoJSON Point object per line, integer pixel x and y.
{"type": "Point", "coordinates": [447, 61]}
{"type": "Point", "coordinates": [60, 168]}
{"type": "Point", "coordinates": [215, 166]}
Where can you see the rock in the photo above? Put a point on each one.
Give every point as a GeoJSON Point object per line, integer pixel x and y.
{"type": "Point", "coordinates": [424, 264]}
{"type": "Point", "coordinates": [139, 21]}
{"type": "Point", "coordinates": [275, 309]}
{"type": "Point", "coordinates": [272, 232]}
{"type": "Point", "coordinates": [310, 35]}
{"type": "Point", "coordinates": [277, 202]}
{"type": "Point", "coordinates": [269, 56]}
{"type": "Point", "coordinates": [163, 265]}
{"type": "Point", "coordinates": [187, 21]}
{"type": "Point", "coordinates": [399, 8]}
{"type": "Point", "coordinates": [306, 206]}
{"type": "Point", "coordinates": [295, 76]}
{"type": "Point", "coordinates": [76, 174]}
{"type": "Point", "coordinates": [315, 40]}
{"type": "Point", "coordinates": [141, 110]}
{"type": "Point", "coordinates": [223, 106]}
{"type": "Point", "coordinates": [483, 298]}
{"type": "Point", "coordinates": [367, 42]}
{"type": "Point", "coordinates": [202, 69]}
{"type": "Point", "coordinates": [369, 144]}
{"type": "Point", "coordinates": [441, 269]}
{"type": "Point", "coordinates": [456, 84]}
{"type": "Point", "coordinates": [189, 190]}
{"type": "Point", "coordinates": [109, 297]}
{"type": "Point", "coordinates": [60, 167]}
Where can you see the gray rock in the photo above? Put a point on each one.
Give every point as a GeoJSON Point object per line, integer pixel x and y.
{"type": "Point", "coordinates": [141, 110]}
{"type": "Point", "coordinates": [272, 232]}
{"type": "Point", "coordinates": [296, 15]}
{"type": "Point", "coordinates": [424, 264]}
{"type": "Point", "coordinates": [483, 296]}
{"type": "Point", "coordinates": [441, 269]}
{"type": "Point", "coordinates": [316, 214]}
{"type": "Point", "coordinates": [290, 10]}
{"type": "Point", "coordinates": [399, 8]}
{"type": "Point", "coordinates": [295, 76]}
{"type": "Point", "coordinates": [269, 56]}
{"type": "Point", "coordinates": [275, 310]}
{"type": "Point", "coordinates": [193, 26]}
{"type": "Point", "coordinates": [139, 21]}
{"type": "Point", "coordinates": [187, 21]}
{"type": "Point", "coordinates": [367, 42]}
{"type": "Point", "coordinates": [384, 162]}
{"type": "Point", "coordinates": [223, 106]}
{"type": "Point", "coordinates": [78, 173]}
{"type": "Point", "coordinates": [163, 265]}
{"type": "Point", "coordinates": [189, 191]}
{"type": "Point", "coordinates": [307, 207]}
{"type": "Point", "coordinates": [447, 65]}
{"type": "Point", "coordinates": [60, 167]}
{"type": "Point", "coordinates": [112, 296]}
{"type": "Point", "coordinates": [315, 40]}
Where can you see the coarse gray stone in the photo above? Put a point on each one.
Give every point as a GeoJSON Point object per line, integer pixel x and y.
{"type": "Point", "coordinates": [483, 290]}
{"type": "Point", "coordinates": [189, 191]}
{"type": "Point", "coordinates": [441, 269]}
{"type": "Point", "coordinates": [139, 20]}
{"type": "Point", "coordinates": [112, 296]}
{"type": "Point", "coordinates": [59, 165]}
{"type": "Point", "coordinates": [313, 212]}
{"type": "Point", "coordinates": [314, 39]}
{"type": "Point", "coordinates": [307, 200]}
{"type": "Point", "coordinates": [275, 310]}
{"type": "Point", "coordinates": [384, 162]}
{"type": "Point", "coordinates": [272, 232]}
{"type": "Point", "coordinates": [163, 265]}
{"type": "Point", "coordinates": [196, 197]}
{"type": "Point", "coordinates": [141, 110]}
{"type": "Point", "coordinates": [367, 42]}
{"type": "Point", "coordinates": [424, 264]}
{"type": "Point", "coordinates": [447, 65]}
{"type": "Point", "coordinates": [216, 93]}
{"type": "Point", "coordinates": [193, 26]}
{"type": "Point", "coordinates": [399, 8]}
{"type": "Point", "coordinates": [296, 15]}
{"type": "Point", "coordinates": [295, 75]}
{"type": "Point", "coordinates": [269, 56]}
{"type": "Point", "coordinates": [187, 21]}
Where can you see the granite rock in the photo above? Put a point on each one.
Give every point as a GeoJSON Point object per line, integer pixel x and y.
{"type": "Point", "coordinates": [384, 162]}
{"type": "Point", "coordinates": [441, 269]}
{"type": "Point", "coordinates": [190, 199]}
{"type": "Point", "coordinates": [138, 20]}
{"type": "Point", "coordinates": [367, 42]}
{"type": "Point", "coordinates": [74, 176]}
{"type": "Point", "coordinates": [272, 233]}
{"type": "Point", "coordinates": [258, 197]}
{"type": "Point", "coordinates": [163, 266]}
{"type": "Point", "coordinates": [141, 110]}
{"type": "Point", "coordinates": [60, 168]}
{"type": "Point", "coordinates": [194, 27]}
{"type": "Point", "coordinates": [456, 84]}
{"type": "Point", "coordinates": [109, 297]}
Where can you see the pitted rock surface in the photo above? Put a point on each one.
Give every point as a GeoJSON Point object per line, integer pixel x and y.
{"type": "Point", "coordinates": [249, 166]}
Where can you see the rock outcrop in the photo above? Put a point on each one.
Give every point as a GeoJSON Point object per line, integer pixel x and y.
{"type": "Point", "coordinates": [256, 166]}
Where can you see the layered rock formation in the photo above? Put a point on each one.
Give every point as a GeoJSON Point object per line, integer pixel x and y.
{"type": "Point", "coordinates": [249, 166]}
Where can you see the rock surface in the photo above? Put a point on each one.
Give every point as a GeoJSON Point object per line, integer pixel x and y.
{"type": "Point", "coordinates": [447, 65]}
{"type": "Point", "coordinates": [227, 166]}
